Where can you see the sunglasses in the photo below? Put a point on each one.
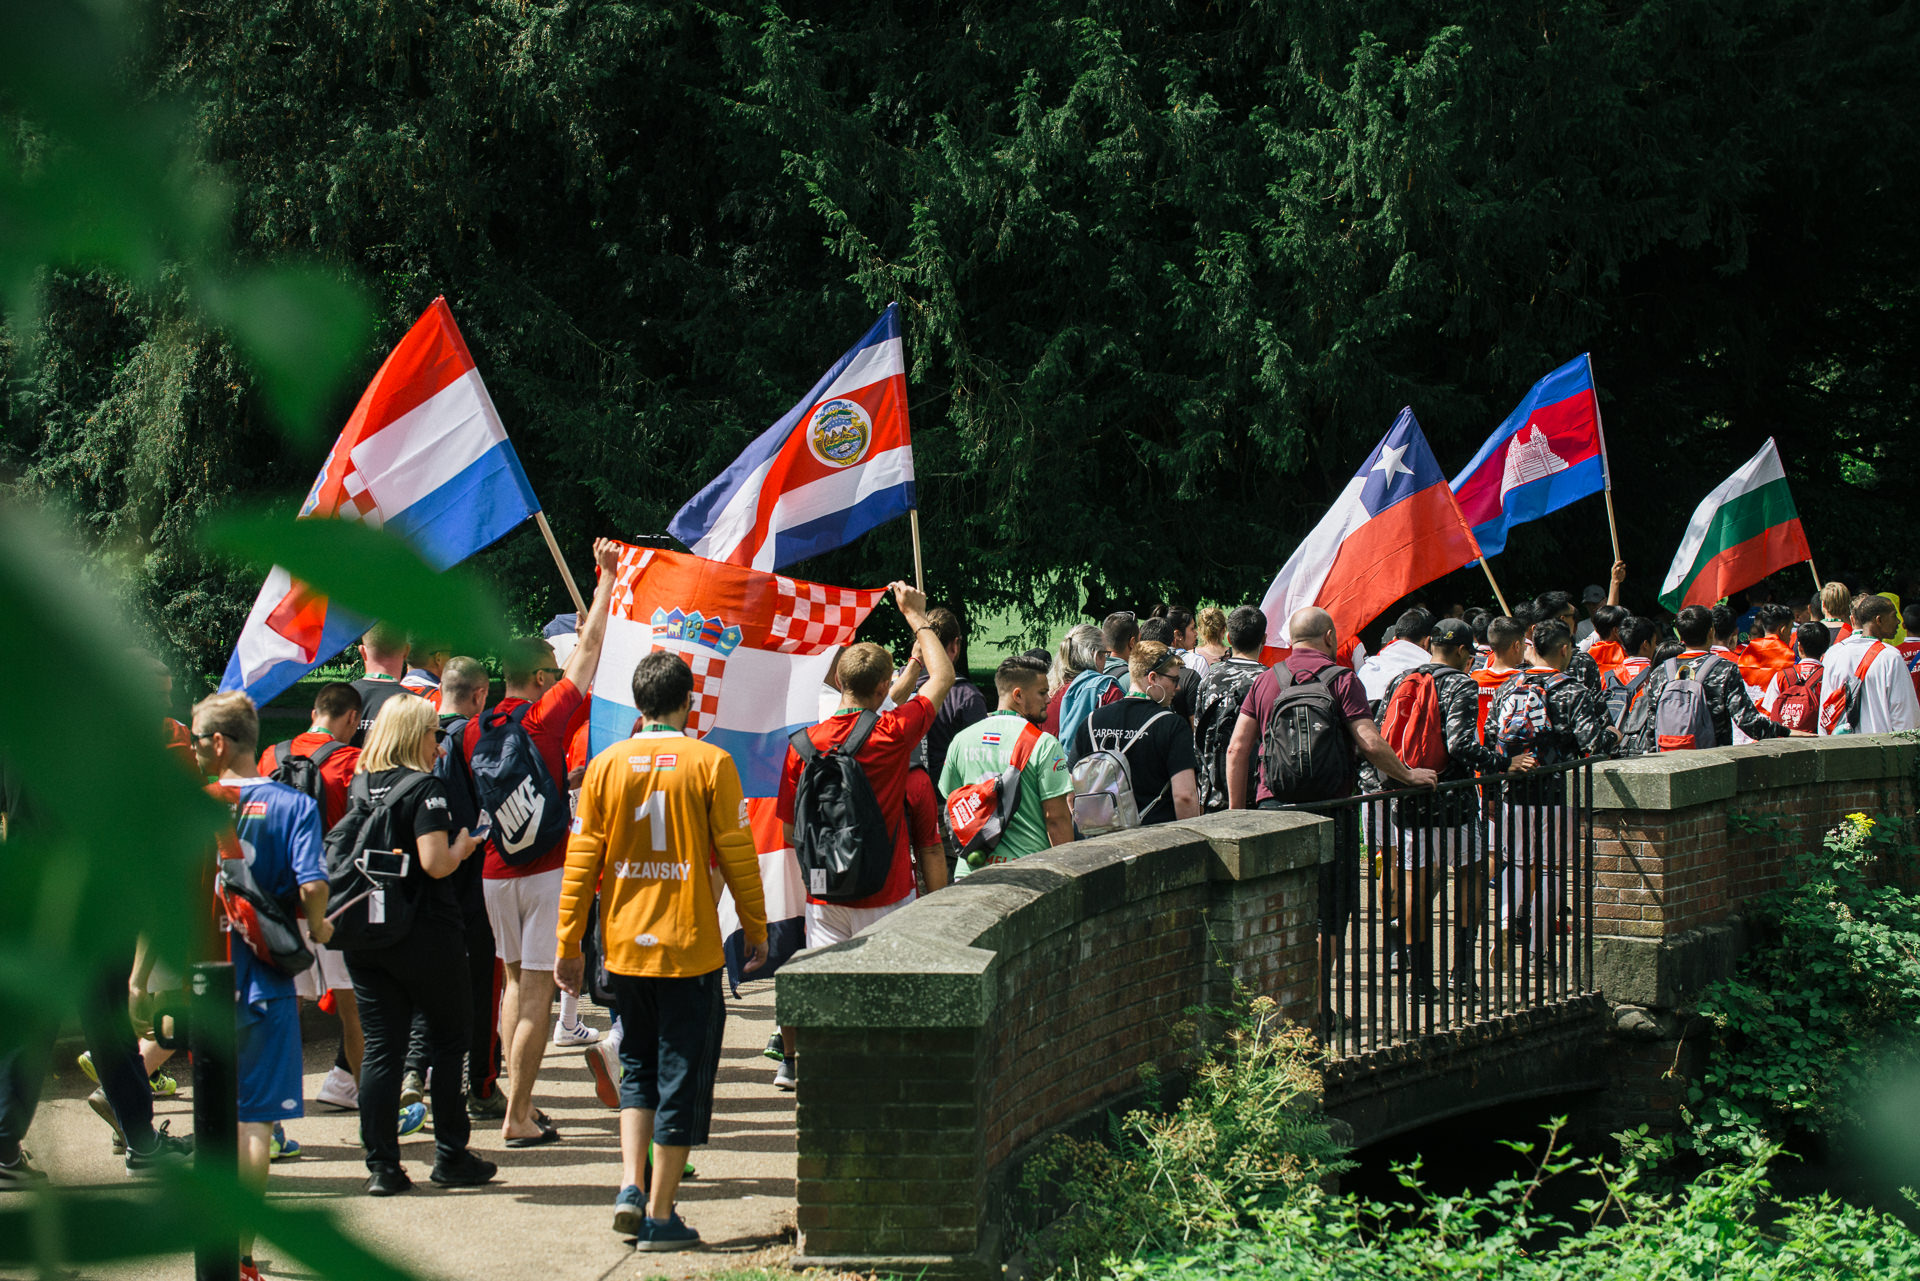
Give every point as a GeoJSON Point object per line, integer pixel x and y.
{"type": "Point", "coordinates": [1167, 660]}
{"type": "Point", "coordinates": [552, 671]}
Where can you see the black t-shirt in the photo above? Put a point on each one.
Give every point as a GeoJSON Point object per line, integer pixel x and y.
{"type": "Point", "coordinates": [1186, 697]}
{"type": "Point", "coordinates": [1157, 747]}
{"type": "Point", "coordinates": [374, 691]}
{"type": "Point", "coordinates": [421, 811]}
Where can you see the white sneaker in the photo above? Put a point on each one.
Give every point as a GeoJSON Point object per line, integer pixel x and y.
{"type": "Point", "coordinates": [339, 1091]}
{"type": "Point", "coordinates": [578, 1034]}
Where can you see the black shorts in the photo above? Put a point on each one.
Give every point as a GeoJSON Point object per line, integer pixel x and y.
{"type": "Point", "coordinates": [1340, 879]}
{"type": "Point", "coordinates": [670, 1051]}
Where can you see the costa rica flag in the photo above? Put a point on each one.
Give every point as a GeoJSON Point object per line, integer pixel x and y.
{"type": "Point", "coordinates": [1394, 527]}
{"type": "Point", "coordinates": [1547, 453]}
{"type": "Point", "coordinates": [834, 466]}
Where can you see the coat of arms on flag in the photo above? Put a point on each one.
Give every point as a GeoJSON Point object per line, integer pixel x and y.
{"type": "Point", "coordinates": [703, 645]}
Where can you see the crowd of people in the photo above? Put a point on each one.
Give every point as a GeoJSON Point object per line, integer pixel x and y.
{"type": "Point", "coordinates": [451, 868]}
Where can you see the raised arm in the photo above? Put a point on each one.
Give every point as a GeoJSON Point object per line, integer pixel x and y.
{"type": "Point", "coordinates": [593, 628]}
{"type": "Point", "coordinates": [913, 607]}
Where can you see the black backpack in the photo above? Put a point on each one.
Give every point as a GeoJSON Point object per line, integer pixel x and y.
{"type": "Point", "coordinates": [369, 911]}
{"type": "Point", "coordinates": [1306, 752]}
{"type": "Point", "coordinates": [514, 786]}
{"type": "Point", "coordinates": [1222, 690]}
{"type": "Point", "coordinates": [841, 839]}
{"type": "Point", "coordinates": [1624, 704]}
{"type": "Point", "coordinates": [302, 773]}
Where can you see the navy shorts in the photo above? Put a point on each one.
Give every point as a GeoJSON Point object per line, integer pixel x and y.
{"type": "Point", "coordinates": [670, 1051]}
{"type": "Point", "coordinates": [268, 1071]}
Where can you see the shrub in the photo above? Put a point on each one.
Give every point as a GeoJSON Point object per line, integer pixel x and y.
{"type": "Point", "coordinates": [1825, 1002]}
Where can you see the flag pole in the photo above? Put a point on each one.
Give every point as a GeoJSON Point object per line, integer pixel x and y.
{"type": "Point", "coordinates": [919, 578]}
{"type": "Point", "coordinates": [573, 588]}
{"type": "Point", "coordinates": [1817, 583]}
{"type": "Point", "coordinates": [1606, 468]}
{"type": "Point", "coordinates": [1496, 587]}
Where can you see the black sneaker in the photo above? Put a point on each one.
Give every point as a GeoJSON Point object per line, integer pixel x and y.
{"type": "Point", "coordinates": [21, 1171]}
{"type": "Point", "coordinates": [388, 1180]}
{"type": "Point", "coordinates": [657, 1236]}
{"type": "Point", "coordinates": [776, 1048]}
{"type": "Point", "coordinates": [166, 1151]}
{"type": "Point", "coordinates": [463, 1171]}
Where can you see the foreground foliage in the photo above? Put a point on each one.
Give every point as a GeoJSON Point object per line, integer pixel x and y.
{"type": "Point", "coordinates": [1722, 1225]}
{"type": "Point", "coordinates": [1825, 1008]}
{"type": "Point", "coordinates": [1246, 1138]}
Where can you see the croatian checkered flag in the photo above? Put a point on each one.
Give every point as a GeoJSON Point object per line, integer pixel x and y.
{"type": "Point", "coordinates": [759, 646]}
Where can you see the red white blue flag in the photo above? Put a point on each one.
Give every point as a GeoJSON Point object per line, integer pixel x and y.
{"type": "Point", "coordinates": [760, 647]}
{"type": "Point", "coordinates": [424, 456]}
{"type": "Point", "coordinates": [834, 466]}
{"type": "Point", "coordinates": [1394, 527]}
{"type": "Point", "coordinates": [1547, 454]}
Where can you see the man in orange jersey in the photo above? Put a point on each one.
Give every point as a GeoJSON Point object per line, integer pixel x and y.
{"type": "Point", "coordinates": [1507, 641]}
{"type": "Point", "coordinates": [1770, 652]}
{"type": "Point", "coordinates": [1604, 646]}
{"type": "Point", "coordinates": [650, 810]}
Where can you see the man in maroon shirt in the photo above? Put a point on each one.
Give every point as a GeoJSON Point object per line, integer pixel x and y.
{"type": "Point", "coordinates": [1314, 646]}
{"type": "Point", "coordinates": [523, 900]}
{"type": "Point", "coordinates": [865, 672]}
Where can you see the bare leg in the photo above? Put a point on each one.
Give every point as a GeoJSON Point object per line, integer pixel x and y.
{"type": "Point", "coordinates": [533, 1004]}
{"type": "Point", "coordinates": [255, 1146]}
{"type": "Point", "coordinates": [668, 1165]}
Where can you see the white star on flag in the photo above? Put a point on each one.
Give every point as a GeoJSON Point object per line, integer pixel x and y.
{"type": "Point", "coordinates": [1390, 462]}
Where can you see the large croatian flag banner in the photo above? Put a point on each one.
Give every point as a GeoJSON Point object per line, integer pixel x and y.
{"type": "Point", "coordinates": [760, 646]}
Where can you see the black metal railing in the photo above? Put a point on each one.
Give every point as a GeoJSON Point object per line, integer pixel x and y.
{"type": "Point", "coordinates": [1448, 906]}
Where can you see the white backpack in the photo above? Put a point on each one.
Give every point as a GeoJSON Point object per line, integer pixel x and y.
{"type": "Point", "coordinates": [1103, 799]}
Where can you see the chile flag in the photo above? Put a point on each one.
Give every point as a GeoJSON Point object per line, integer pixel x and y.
{"type": "Point", "coordinates": [1547, 454]}
{"type": "Point", "coordinates": [1394, 527]}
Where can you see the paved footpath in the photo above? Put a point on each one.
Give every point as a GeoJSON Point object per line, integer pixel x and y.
{"type": "Point", "coordinates": [547, 1217]}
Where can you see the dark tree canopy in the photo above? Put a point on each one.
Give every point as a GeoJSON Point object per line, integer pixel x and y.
{"type": "Point", "coordinates": [1168, 270]}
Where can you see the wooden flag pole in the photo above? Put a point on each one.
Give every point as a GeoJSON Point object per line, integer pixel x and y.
{"type": "Point", "coordinates": [1817, 583]}
{"type": "Point", "coordinates": [1606, 469]}
{"type": "Point", "coordinates": [1496, 587]}
{"type": "Point", "coordinates": [919, 578]}
{"type": "Point", "coordinates": [573, 588]}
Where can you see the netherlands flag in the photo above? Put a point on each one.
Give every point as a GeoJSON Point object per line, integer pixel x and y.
{"type": "Point", "coordinates": [1547, 453]}
{"type": "Point", "coordinates": [834, 466]}
{"type": "Point", "coordinates": [1394, 527]}
{"type": "Point", "coordinates": [424, 456]}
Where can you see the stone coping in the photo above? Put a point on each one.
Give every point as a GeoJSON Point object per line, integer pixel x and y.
{"type": "Point", "coordinates": [931, 964]}
{"type": "Point", "coordinates": [1679, 780]}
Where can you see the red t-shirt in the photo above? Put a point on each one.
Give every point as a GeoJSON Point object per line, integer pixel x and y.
{"type": "Point", "coordinates": [546, 724]}
{"type": "Point", "coordinates": [336, 772]}
{"type": "Point", "coordinates": [923, 810]}
{"type": "Point", "coordinates": [1305, 664]}
{"type": "Point", "coordinates": [886, 757]}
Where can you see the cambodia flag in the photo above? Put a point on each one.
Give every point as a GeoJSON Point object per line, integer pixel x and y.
{"type": "Point", "coordinates": [760, 646]}
{"type": "Point", "coordinates": [1547, 454]}
{"type": "Point", "coordinates": [834, 466]}
{"type": "Point", "coordinates": [423, 456]}
{"type": "Point", "coordinates": [1393, 528]}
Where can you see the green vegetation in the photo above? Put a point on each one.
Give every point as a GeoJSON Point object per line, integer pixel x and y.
{"type": "Point", "coordinates": [1167, 270]}
{"type": "Point", "coordinates": [1821, 1014]}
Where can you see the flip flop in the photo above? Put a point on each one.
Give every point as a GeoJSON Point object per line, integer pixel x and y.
{"type": "Point", "coordinates": [547, 1135]}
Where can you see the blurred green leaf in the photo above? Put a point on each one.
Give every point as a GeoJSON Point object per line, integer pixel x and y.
{"type": "Point", "coordinates": [367, 572]}
{"type": "Point", "coordinates": [300, 329]}
{"type": "Point", "coordinates": [86, 877]}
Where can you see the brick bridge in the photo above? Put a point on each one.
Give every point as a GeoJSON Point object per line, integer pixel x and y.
{"type": "Point", "coordinates": [946, 1043]}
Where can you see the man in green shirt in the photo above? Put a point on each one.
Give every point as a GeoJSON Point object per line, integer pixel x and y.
{"type": "Point", "coordinates": [984, 749]}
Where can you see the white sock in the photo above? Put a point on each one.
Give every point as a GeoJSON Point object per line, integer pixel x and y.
{"type": "Point", "coordinates": [613, 1037]}
{"type": "Point", "coordinates": [569, 1010]}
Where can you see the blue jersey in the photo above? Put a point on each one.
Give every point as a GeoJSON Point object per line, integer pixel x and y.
{"type": "Point", "coordinates": [279, 834]}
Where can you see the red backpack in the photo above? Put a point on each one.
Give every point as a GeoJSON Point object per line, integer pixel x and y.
{"type": "Point", "coordinates": [1412, 724]}
{"type": "Point", "coordinates": [979, 812]}
{"type": "Point", "coordinates": [1840, 712]}
{"type": "Point", "coordinates": [1797, 706]}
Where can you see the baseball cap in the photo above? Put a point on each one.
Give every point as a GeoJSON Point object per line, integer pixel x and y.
{"type": "Point", "coordinates": [1453, 633]}
{"type": "Point", "coordinates": [1594, 595]}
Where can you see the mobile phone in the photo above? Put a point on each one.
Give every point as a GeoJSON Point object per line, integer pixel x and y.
{"type": "Point", "coordinates": [482, 825]}
{"type": "Point", "coordinates": [386, 865]}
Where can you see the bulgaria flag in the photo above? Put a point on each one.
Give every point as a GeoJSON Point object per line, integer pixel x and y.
{"type": "Point", "coordinates": [1743, 531]}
